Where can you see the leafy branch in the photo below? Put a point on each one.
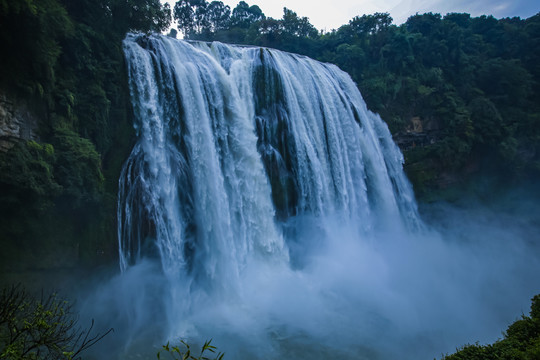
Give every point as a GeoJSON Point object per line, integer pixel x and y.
{"type": "Point", "coordinates": [177, 354]}
{"type": "Point", "coordinates": [41, 328]}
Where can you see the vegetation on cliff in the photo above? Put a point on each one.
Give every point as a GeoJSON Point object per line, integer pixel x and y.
{"type": "Point", "coordinates": [57, 195]}
{"type": "Point", "coordinates": [521, 341]}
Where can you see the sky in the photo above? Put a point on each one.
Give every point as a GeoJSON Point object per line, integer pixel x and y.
{"type": "Point", "coordinates": [328, 15]}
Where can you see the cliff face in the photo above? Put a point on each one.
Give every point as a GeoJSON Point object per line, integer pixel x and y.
{"type": "Point", "coordinates": [17, 122]}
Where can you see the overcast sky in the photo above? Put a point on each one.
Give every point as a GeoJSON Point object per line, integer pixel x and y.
{"type": "Point", "coordinates": [328, 15]}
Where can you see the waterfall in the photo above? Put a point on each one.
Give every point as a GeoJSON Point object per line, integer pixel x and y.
{"type": "Point", "coordinates": [265, 207]}
{"type": "Point", "coordinates": [235, 143]}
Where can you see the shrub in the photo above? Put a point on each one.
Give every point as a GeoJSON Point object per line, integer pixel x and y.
{"type": "Point", "coordinates": [521, 341]}
{"type": "Point", "coordinates": [41, 328]}
{"type": "Point", "coordinates": [177, 354]}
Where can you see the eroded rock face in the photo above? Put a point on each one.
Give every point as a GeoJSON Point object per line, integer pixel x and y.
{"type": "Point", "coordinates": [16, 122]}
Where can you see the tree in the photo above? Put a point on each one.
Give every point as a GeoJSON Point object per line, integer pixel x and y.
{"type": "Point", "coordinates": [243, 15]}
{"type": "Point", "coordinates": [370, 24]}
{"type": "Point", "coordinates": [184, 16]}
{"type": "Point", "coordinates": [141, 15]}
{"type": "Point", "coordinates": [426, 24]}
{"type": "Point", "coordinates": [218, 15]}
{"type": "Point", "coordinates": [461, 19]}
{"type": "Point", "coordinates": [350, 57]}
{"type": "Point", "coordinates": [268, 33]}
{"type": "Point", "coordinates": [200, 15]}
{"type": "Point", "coordinates": [192, 16]}
{"type": "Point", "coordinates": [296, 26]}
{"type": "Point", "coordinates": [41, 328]}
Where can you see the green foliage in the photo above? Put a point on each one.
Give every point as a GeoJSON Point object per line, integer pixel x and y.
{"type": "Point", "coordinates": [64, 57]}
{"type": "Point", "coordinates": [139, 15]}
{"type": "Point", "coordinates": [243, 15]}
{"type": "Point", "coordinates": [42, 328]}
{"type": "Point", "coordinates": [30, 32]}
{"type": "Point", "coordinates": [297, 26]}
{"type": "Point", "coordinates": [78, 167]}
{"type": "Point", "coordinates": [28, 170]}
{"type": "Point", "coordinates": [521, 341]}
{"type": "Point", "coordinates": [176, 353]}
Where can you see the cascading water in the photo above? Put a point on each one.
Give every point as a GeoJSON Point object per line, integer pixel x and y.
{"type": "Point", "coordinates": [194, 187]}
{"type": "Point", "coordinates": [235, 141]}
{"type": "Point", "coordinates": [245, 156]}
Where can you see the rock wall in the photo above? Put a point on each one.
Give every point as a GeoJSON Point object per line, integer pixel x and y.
{"type": "Point", "coordinates": [17, 122]}
{"type": "Point", "coordinates": [419, 132]}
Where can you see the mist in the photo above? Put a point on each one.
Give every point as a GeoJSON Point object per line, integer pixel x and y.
{"type": "Point", "coordinates": [392, 294]}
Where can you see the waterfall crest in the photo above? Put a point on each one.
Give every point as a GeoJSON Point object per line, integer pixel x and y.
{"type": "Point", "coordinates": [234, 144]}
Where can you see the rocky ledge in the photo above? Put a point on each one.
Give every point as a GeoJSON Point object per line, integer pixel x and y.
{"type": "Point", "coordinates": [17, 122]}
